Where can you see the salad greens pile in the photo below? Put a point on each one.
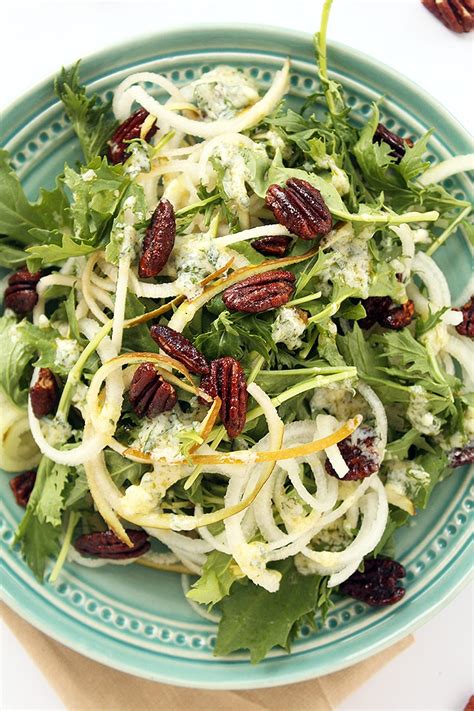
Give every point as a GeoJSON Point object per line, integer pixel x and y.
{"type": "Point", "coordinates": [316, 357]}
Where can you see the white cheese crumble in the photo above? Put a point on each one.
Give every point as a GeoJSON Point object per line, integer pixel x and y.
{"type": "Point", "coordinates": [335, 537]}
{"type": "Point", "coordinates": [89, 175]}
{"type": "Point", "coordinates": [160, 435]}
{"type": "Point", "coordinates": [68, 351]}
{"type": "Point", "coordinates": [351, 259]}
{"type": "Point", "coordinates": [340, 402]}
{"type": "Point", "coordinates": [288, 327]}
{"type": "Point", "coordinates": [138, 161]}
{"type": "Point", "coordinates": [407, 478]}
{"type": "Point", "coordinates": [418, 413]}
{"type": "Point", "coordinates": [193, 258]}
{"type": "Point", "coordinates": [221, 93]}
{"type": "Point", "coordinates": [56, 430]}
{"type": "Point", "coordinates": [236, 172]}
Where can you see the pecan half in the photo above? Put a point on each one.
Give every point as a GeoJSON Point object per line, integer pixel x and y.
{"type": "Point", "coordinates": [44, 393]}
{"type": "Point", "coordinates": [105, 544]}
{"type": "Point", "coordinates": [127, 131]}
{"type": "Point", "coordinates": [456, 15]}
{"type": "Point", "coordinates": [261, 292]}
{"type": "Point", "coordinates": [300, 207]}
{"type": "Point", "coordinates": [180, 348]}
{"type": "Point", "coordinates": [396, 143]}
{"type": "Point", "coordinates": [22, 486]}
{"type": "Point", "coordinates": [382, 310]}
{"type": "Point", "coordinates": [460, 456]}
{"type": "Point", "coordinates": [359, 453]}
{"type": "Point", "coordinates": [378, 584]}
{"type": "Point", "coordinates": [149, 393]}
{"type": "Point", "coordinates": [466, 327]}
{"type": "Point", "coordinates": [273, 245]}
{"type": "Point", "coordinates": [158, 241]}
{"type": "Point", "coordinates": [226, 379]}
{"type": "Point", "coordinates": [20, 295]}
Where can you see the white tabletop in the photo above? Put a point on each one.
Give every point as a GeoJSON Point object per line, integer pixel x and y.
{"type": "Point", "coordinates": [435, 674]}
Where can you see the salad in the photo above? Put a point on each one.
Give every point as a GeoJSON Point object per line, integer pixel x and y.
{"type": "Point", "coordinates": [226, 350]}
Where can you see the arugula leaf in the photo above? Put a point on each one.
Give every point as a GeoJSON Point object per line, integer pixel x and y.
{"type": "Point", "coordinates": [235, 334]}
{"type": "Point", "coordinates": [218, 575]}
{"type": "Point", "coordinates": [16, 353]}
{"type": "Point", "coordinates": [91, 119]}
{"type": "Point", "coordinates": [399, 448]}
{"type": "Point", "coordinates": [39, 543]}
{"type": "Point", "coordinates": [254, 619]}
{"type": "Point", "coordinates": [45, 254]}
{"type": "Point", "coordinates": [425, 325]}
{"type": "Point", "coordinates": [50, 503]}
{"type": "Point", "coordinates": [137, 338]}
{"type": "Point", "coordinates": [10, 257]}
{"type": "Point", "coordinates": [17, 215]}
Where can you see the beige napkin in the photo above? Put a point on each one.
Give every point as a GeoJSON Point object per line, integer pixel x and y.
{"type": "Point", "coordinates": [85, 685]}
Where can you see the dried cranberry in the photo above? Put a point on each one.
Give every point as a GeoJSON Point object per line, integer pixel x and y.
{"type": "Point", "coordinates": [378, 584]}
{"type": "Point", "coordinates": [359, 453]}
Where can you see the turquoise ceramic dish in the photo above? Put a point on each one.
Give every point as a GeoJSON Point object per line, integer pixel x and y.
{"type": "Point", "coordinates": [136, 619]}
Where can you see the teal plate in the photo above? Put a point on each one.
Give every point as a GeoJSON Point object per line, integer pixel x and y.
{"type": "Point", "coordinates": [136, 619]}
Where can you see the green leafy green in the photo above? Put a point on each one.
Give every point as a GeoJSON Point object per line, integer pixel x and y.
{"type": "Point", "coordinates": [16, 353]}
{"type": "Point", "coordinates": [91, 119]}
{"type": "Point", "coordinates": [219, 574]}
{"type": "Point", "coordinates": [254, 619]}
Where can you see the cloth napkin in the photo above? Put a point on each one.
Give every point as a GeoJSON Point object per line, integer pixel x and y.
{"type": "Point", "coordinates": [85, 685]}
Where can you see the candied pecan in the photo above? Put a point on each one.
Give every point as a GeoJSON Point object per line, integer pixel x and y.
{"type": "Point", "coordinates": [272, 246]}
{"type": "Point", "coordinates": [456, 15]}
{"type": "Point", "coordinates": [466, 327]}
{"type": "Point", "coordinates": [470, 704]}
{"type": "Point", "coordinates": [149, 393]}
{"type": "Point", "coordinates": [44, 393]}
{"type": "Point", "coordinates": [20, 295]}
{"type": "Point", "coordinates": [300, 207]}
{"type": "Point", "coordinates": [261, 292]}
{"type": "Point", "coordinates": [105, 544]}
{"type": "Point", "coordinates": [359, 453]}
{"type": "Point", "coordinates": [180, 348]}
{"type": "Point", "coordinates": [459, 456]}
{"type": "Point", "coordinates": [127, 131]}
{"type": "Point", "coordinates": [158, 241]}
{"type": "Point", "coordinates": [226, 379]}
{"type": "Point", "coordinates": [396, 143]}
{"type": "Point", "coordinates": [22, 486]}
{"type": "Point", "coordinates": [382, 310]}
{"type": "Point", "coordinates": [378, 584]}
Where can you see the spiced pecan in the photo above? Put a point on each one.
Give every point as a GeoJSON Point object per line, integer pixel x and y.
{"type": "Point", "coordinates": [382, 310]}
{"type": "Point", "coordinates": [44, 393]}
{"type": "Point", "coordinates": [20, 295]}
{"type": "Point", "coordinates": [158, 241]}
{"type": "Point", "coordinates": [105, 544]}
{"type": "Point", "coordinates": [272, 246]}
{"type": "Point", "coordinates": [261, 292]}
{"type": "Point", "coordinates": [466, 327]}
{"type": "Point", "coordinates": [22, 486]}
{"type": "Point", "coordinates": [460, 456]}
{"type": "Point", "coordinates": [456, 15]}
{"type": "Point", "coordinates": [300, 207]}
{"type": "Point", "coordinates": [396, 143]}
{"type": "Point", "coordinates": [180, 348]}
{"type": "Point", "coordinates": [226, 379]}
{"type": "Point", "coordinates": [127, 131]}
{"type": "Point", "coordinates": [360, 453]}
{"type": "Point", "coordinates": [378, 584]}
{"type": "Point", "coordinates": [149, 393]}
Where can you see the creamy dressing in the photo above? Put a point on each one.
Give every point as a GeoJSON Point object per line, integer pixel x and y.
{"type": "Point", "coordinates": [221, 93]}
